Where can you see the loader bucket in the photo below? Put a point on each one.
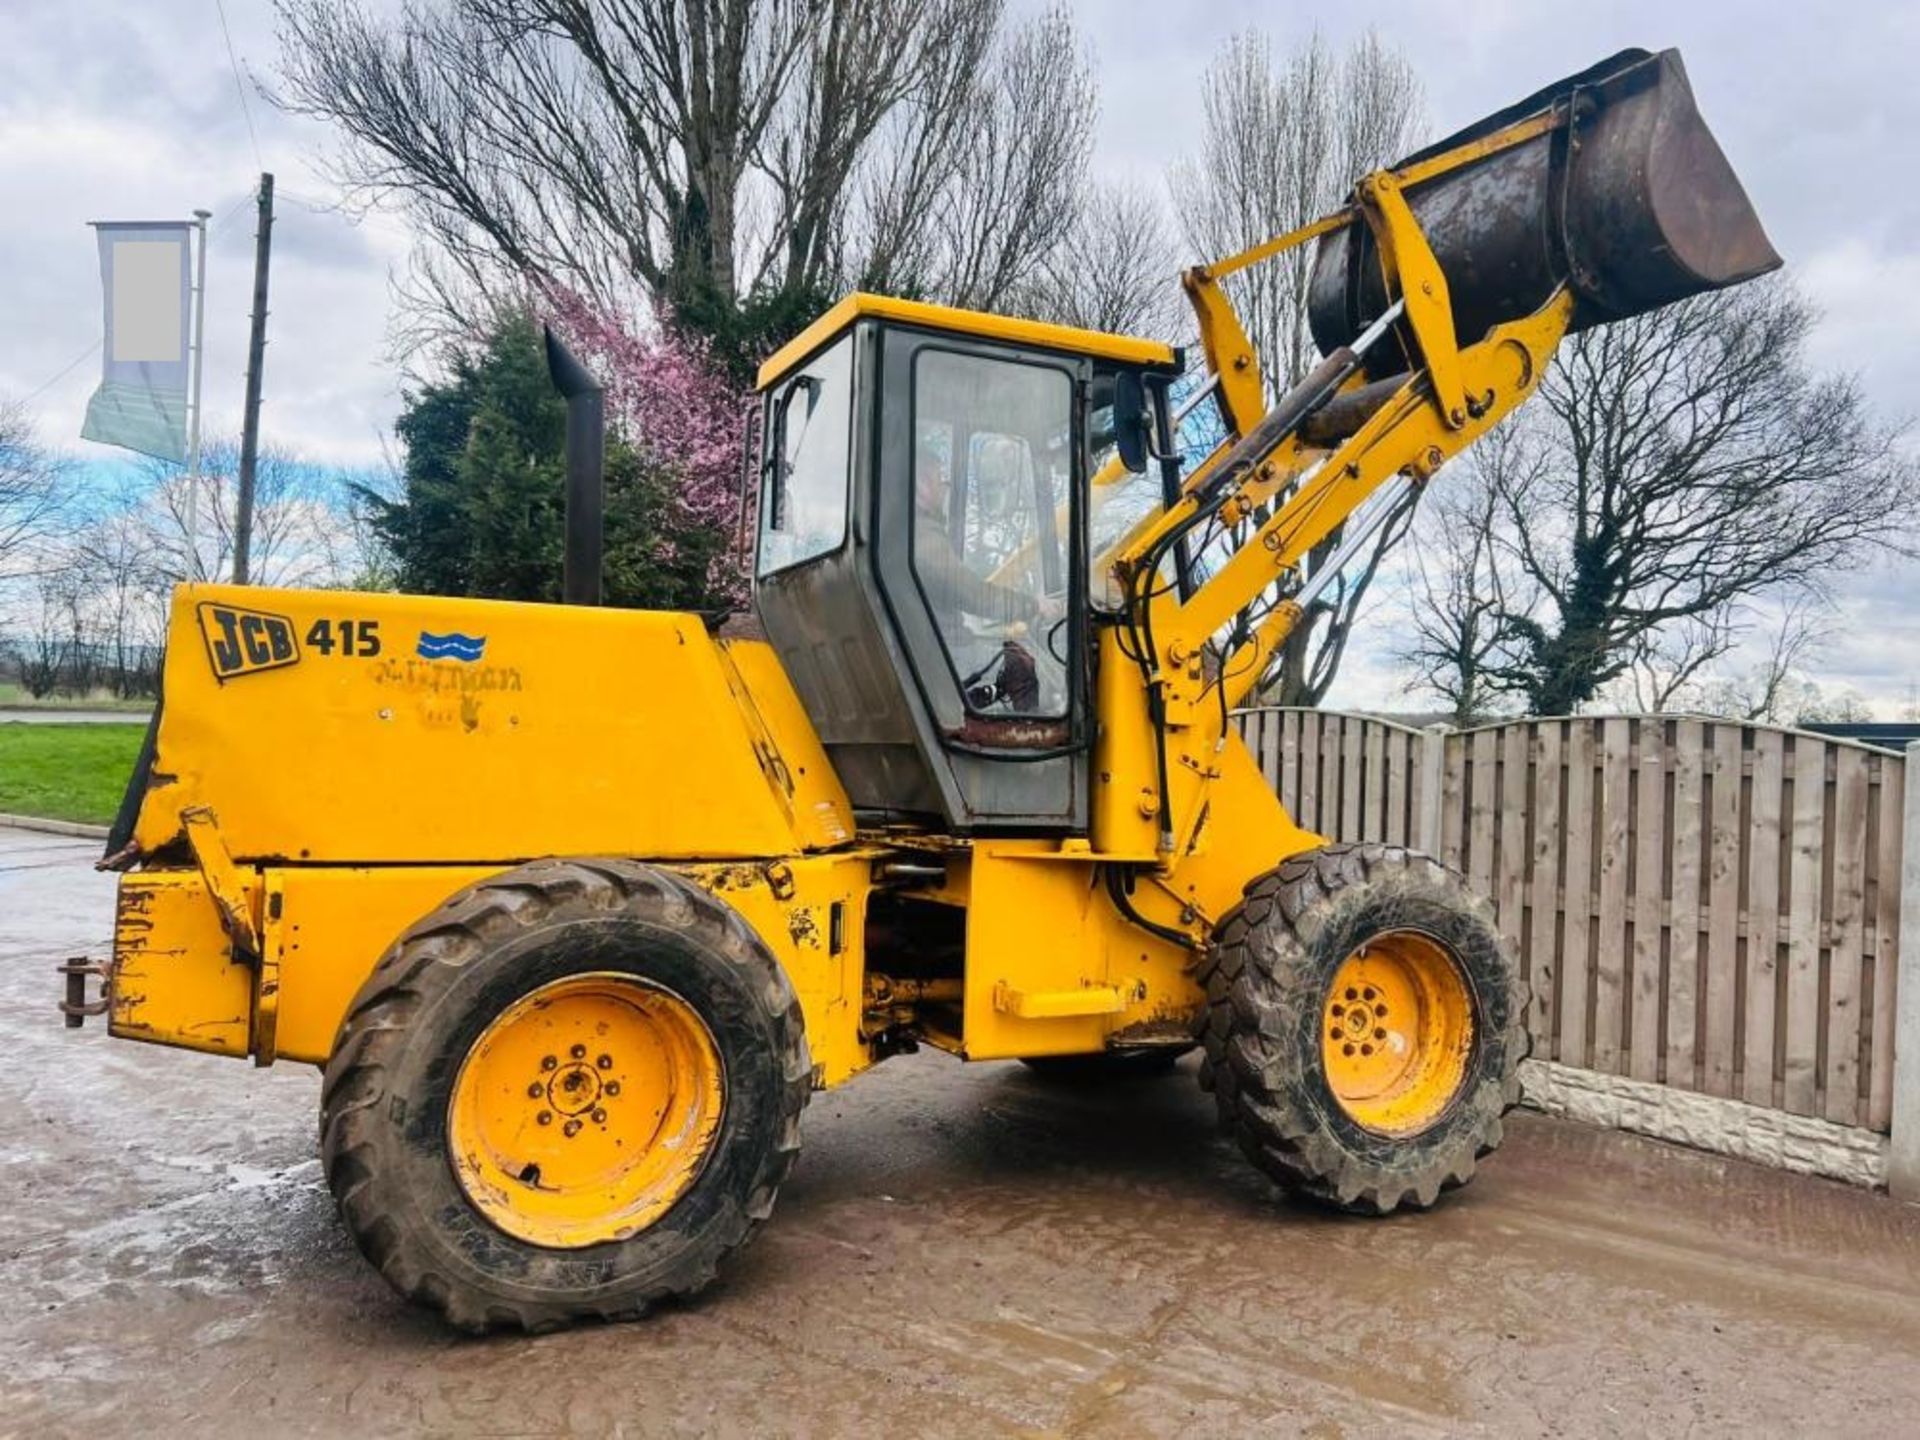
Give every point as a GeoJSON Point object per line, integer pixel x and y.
{"type": "Point", "coordinates": [1631, 203]}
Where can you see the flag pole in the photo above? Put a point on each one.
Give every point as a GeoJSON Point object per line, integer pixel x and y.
{"type": "Point", "coordinates": [193, 437]}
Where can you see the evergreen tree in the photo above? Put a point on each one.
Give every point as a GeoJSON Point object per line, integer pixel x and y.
{"type": "Point", "coordinates": [482, 511]}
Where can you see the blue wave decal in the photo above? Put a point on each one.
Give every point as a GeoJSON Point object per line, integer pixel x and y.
{"type": "Point", "coordinates": [451, 646]}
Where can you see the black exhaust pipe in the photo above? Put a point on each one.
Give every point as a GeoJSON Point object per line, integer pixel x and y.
{"type": "Point", "coordinates": [586, 473]}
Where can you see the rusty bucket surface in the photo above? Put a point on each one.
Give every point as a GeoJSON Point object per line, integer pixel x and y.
{"type": "Point", "coordinates": [1631, 202]}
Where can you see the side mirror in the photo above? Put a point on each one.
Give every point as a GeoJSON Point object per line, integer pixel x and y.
{"type": "Point", "coordinates": [1131, 421]}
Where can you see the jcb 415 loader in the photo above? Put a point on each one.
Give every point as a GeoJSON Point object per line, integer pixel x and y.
{"type": "Point", "coordinates": [577, 906]}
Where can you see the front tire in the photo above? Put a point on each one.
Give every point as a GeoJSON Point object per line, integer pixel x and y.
{"type": "Point", "coordinates": [1364, 1027]}
{"type": "Point", "coordinates": [665, 1069]}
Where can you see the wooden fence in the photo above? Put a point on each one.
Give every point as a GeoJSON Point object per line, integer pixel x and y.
{"type": "Point", "coordinates": [1705, 905]}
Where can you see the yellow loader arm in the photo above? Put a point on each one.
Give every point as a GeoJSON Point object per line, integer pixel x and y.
{"type": "Point", "coordinates": [1627, 230]}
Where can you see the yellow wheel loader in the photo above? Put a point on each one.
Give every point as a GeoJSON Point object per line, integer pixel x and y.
{"type": "Point", "coordinates": [577, 906]}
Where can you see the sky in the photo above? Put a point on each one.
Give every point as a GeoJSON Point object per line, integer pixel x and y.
{"type": "Point", "coordinates": [112, 110]}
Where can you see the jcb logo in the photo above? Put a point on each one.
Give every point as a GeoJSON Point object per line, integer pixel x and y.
{"type": "Point", "coordinates": [241, 642]}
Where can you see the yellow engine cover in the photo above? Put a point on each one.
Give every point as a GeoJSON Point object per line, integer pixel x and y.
{"type": "Point", "coordinates": [329, 726]}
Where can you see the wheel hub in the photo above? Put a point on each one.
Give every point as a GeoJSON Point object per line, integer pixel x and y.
{"type": "Point", "coordinates": [585, 1110]}
{"type": "Point", "coordinates": [574, 1089]}
{"type": "Point", "coordinates": [1397, 1032]}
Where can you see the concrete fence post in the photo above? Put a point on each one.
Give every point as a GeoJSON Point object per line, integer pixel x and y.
{"type": "Point", "coordinates": [1903, 1157]}
{"type": "Point", "coordinates": [1433, 780]}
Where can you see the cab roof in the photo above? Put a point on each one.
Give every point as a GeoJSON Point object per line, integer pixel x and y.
{"type": "Point", "coordinates": [976, 323]}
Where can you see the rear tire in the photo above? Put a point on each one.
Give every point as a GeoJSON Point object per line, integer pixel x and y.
{"type": "Point", "coordinates": [449, 1233]}
{"type": "Point", "coordinates": [1410, 1117]}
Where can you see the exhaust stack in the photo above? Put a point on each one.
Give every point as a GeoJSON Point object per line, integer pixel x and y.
{"type": "Point", "coordinates": [586, 494]}
{"type": "Point", "coordinates": [1632, 203]}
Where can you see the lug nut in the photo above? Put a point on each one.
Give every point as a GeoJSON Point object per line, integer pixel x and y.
{"type": "Point", "coordinates": [613, 1087]}
{"type": "Point", "coordinates": [571, 1129]}
{"type": "Point", "coordinates": [578, 1052]}
{"type": "Point", "coordinates": [536, 1090]}
{"type": "Point", "coordinates": [545, 1117]}
{"type": "Point", "coordinates": [599, 1117]}
{"type": "Point", "coordinates": [605, 1062]}
{"type": "Point", "coordinates": [548, 1062]}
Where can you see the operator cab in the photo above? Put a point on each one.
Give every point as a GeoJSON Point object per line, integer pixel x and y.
{"type": "Point", "coordinates": [922, 560]}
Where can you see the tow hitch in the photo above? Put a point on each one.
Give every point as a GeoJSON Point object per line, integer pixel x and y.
{"type": "Point", "coordinates": [76, 1007]}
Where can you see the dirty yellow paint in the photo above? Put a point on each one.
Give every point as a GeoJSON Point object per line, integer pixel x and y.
{"type": "Point", "coordinates": [1396, 1032]}
{"type": "Point", "coordinates": [324, 928]}
{"type": "Point", "coordinates": [175, 981]}
{"type": "Point", "coordinates": [585, 1110]}
{"type": "Point", "coordinates": [572, 730]}
{"type": "Point", "coordinates": [791, 906]}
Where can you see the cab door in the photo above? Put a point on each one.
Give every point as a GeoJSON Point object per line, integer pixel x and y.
{"type": "Point", "coordinates": [980, 556]}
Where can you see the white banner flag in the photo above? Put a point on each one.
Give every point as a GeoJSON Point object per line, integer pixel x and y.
{"type": "Point", "coordinates": [145, 289]}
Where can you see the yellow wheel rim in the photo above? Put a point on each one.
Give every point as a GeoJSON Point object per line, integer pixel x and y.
{"type": "Point", "coordinates": [585, 1110]}
{"type": "Point", "coordinates": [1396, 1032]}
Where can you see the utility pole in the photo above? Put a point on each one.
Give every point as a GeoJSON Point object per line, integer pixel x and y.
{"type": "Point", "coordinates": [200, 218]}
{"type": "Point", "coordinates": [256, 357]}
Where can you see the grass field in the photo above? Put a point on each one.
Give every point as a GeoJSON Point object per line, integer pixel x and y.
{"type": "Point", "coordinates": [66, 772]}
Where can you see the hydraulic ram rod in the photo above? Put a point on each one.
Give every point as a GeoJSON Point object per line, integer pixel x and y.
{"type": "Point", "coordinates": [1359, 532]}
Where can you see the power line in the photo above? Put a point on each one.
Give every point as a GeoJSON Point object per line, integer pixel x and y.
{"type": "Point", "coordinates": [238, 85]}
{"type": "Point", "coordinates": [61, 374]}
{"type": "Point", "coordinates": [232, 210]}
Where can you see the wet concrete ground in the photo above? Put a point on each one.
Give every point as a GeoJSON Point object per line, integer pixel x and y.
{"type": "Point", "coordinates": [963, 1251]}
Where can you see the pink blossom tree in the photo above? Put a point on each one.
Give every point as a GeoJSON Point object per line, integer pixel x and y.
{"type": "Point", "coordinates": [670, 400]}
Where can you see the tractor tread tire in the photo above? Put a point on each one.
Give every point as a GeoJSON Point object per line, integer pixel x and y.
{"type": "Point", "coordinates": [1265, 977]}
{"type": "Point", "coordinates": [358, 1104]}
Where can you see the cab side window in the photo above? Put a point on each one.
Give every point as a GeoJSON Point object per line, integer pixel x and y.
{"type": "Point", "coordinates": [806, 469]}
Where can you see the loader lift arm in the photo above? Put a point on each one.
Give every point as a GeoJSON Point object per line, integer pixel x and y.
{"type": "Point", "coordinates": [1308, 480]}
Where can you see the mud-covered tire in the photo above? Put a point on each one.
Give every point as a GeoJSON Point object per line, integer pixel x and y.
{"type": "Point", "coordinates": [1267, 977]}
{"type": "Point", "coordinates": [1103, 1068]}
{"type": "Point", "coordinates": [386, 1098]}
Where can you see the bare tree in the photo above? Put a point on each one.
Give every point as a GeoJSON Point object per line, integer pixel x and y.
{"type": "Point", "coordinates": [1458, 590]}
{"type": "Point", "coordinates": [1669, 675]}
{"type": "Point", "coordinates": [1673, 467]}
{"type": "Point", "coordinates": [1283, 144]}
{"type": "Point", "coordinates": [42, 645]}
{"type": "Point", "coordinates": [115, 559]}
{"type": "Point", "coordinates": [703, 150]}
{"type": "Point", "coordinates": [33, 491]}
{"type": "Point", "coordinates": [1018, 182]}
{"type": "Point", "coordinates": [1114, 270]}
{"type": "Point", "coordinates": [302, 531]}
{"type": "Point", "coordinates": [1816, 704]}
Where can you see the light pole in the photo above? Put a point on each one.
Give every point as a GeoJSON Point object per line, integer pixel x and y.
{"type": "Point", "coordinates": [193, 434]}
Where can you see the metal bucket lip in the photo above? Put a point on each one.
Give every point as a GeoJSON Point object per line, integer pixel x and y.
{"type": "Point", "coordinates": [1614, 66]}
